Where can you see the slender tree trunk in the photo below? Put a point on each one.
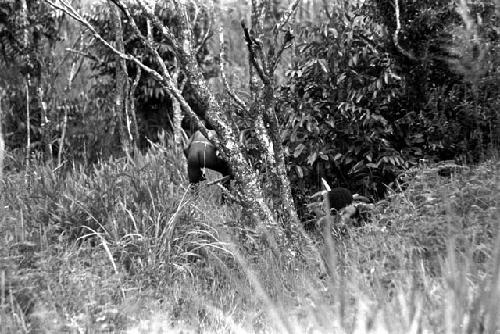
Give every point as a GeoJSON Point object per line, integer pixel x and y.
{"type": "Point", "coordinates": [63, 136]}
{"type": "Point", "coordinates": [131, 108]}
{"type": "Point", "coordinates": [44, 121]}
{"type": "Point", "coordinates": [2, 147]}
{"type": "Point", "coordinates": [176, 110]}
{"type": "Point", "coordinates": [28, 133]}
{"type": "Point", "coordinates": [23, 22]}
{"type": "Point", "coordinates": [121, 79]}
{"type": "Point", "coordinates": [269, 137]}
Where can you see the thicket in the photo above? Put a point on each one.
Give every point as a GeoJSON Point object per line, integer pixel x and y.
{"type": "Point", "coordinates": [371, 92]}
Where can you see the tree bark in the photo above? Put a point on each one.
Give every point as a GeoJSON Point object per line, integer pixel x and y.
{"type": "Point", "coordinates": [264, 107]}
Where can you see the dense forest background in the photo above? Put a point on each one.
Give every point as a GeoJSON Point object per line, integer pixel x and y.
{"type": "Point", "coordinates": [361, 93]}
{"type": "Point", "coordinates": [98, 98]}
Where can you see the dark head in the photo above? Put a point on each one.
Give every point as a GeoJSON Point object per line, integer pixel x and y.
{"type": "Point", "coordinates": [339, 198]}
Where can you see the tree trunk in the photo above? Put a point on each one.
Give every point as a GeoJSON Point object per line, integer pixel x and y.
{"type": "Point", "coordinates": [269, 136]}
{"type": "Point", "coordinates": [121, 80]}
{"type": "Point", "coordinates": [2, 146]}
{"type": "Point", "coordinates": [63, 136]}
{"type": "Point", "coordinates": [44, 121]}
{"type": "Point", "coordinates": [176, 110]}
{"type": "Point", "coordinates": [131, 109]}
{"type": "Point", "coordinates": [23, 23]}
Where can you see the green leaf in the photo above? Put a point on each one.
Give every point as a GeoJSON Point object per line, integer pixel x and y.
{"type": "Point", "coordinates": [299, 171]}
{"type": "Point", "coordinates": [357, 166]}
{"type": "Point", "coordinates": [298, 150]}
{"type": "Point", "coordinates": [312, 158]}
{"type": "Point", "coordinates": [334, 32]}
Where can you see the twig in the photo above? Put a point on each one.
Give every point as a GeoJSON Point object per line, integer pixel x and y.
{"type": "Point", "coordinates": [219, 180]}
{"type": "Point", "coordinates": [84, 54]}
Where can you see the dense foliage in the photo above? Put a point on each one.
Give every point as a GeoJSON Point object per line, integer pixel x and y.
{"type": "Point", "coordinates": [361, 104]}
{"type": "Point", "coordinates": [333, 106]}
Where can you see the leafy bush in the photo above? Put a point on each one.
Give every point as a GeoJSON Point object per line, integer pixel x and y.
{"type": "Point", "coordinates": [333, 104]}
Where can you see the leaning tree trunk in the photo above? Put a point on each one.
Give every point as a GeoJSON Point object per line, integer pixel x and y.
{"type": "Point", "coordinates": [270, 142]}
{"type": "Point", "coordinates": [227, 139]}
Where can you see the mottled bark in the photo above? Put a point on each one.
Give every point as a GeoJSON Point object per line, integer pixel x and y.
{"type": "Point", "coordinates": [264, 107]}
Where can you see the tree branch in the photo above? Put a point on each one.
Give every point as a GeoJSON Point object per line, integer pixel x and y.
{"type": "Point", "coordinates": [396, 34]}
{"type": "Point", "coordinates": [288, 14]}
{"type": "Point", "coordinates": [251, 50]}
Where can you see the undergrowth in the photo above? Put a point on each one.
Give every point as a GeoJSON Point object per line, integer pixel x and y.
{"type": "Point", "coordinates": [127, 247]}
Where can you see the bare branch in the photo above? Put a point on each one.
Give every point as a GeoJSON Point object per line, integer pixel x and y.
{"type": "Point", "coordinates": [84, 54]}
{"type": "Point", "coordinates": [143, 39]}
{"type": "Point", "coordinates": [251, 50]}
{"type": "Point", "coordinates": [206, 37]}
{"type": "Point", "coordinates": [66, 8]}
{"type": "Point", "coordinates": [288, 14]}
{"type": "Point", "coordinates": [396, 34]}
{"type": "Point", "coordinates": [288, 40]}
{"type": "Point", "coordinates": [238, 101]}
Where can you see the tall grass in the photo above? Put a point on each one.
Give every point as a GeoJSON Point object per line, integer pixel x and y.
{"type": "Point", "coordinates": [125, 247]}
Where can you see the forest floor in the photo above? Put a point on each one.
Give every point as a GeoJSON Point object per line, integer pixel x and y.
{"type": "Point", "coordinates": [125, 249]}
